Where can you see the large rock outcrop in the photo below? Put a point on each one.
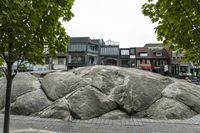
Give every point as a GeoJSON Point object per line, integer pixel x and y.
{"type": "Point", "coordinates": [139, 92]}
{"type": "Point", "coordinates": [23, 83]}
{"type": "Point", "coordinates": [57, 85]}
{"type": "Point", "coordinates": [184, 92]}
{"type": "Point", "coordinates": [30, 103]}
{"type": "Point", "coordinates": [102, 91]}
{"type": "Point", "coordinates": [165, 108]}
{"type": "Point", "coordinates": [59, 110]}
{"type": "Point", "coordinates": [87, 103]}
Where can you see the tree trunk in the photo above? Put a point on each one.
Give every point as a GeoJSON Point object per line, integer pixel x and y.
{"type": "Point", "coordinates": [9, 78]}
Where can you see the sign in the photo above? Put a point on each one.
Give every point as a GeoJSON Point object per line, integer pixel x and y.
{"type": "Point", "coordinates": [165, 68]}
{"type": "Point", "coordinates": [132, 56]}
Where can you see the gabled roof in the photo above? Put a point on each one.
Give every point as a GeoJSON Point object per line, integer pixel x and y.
{"type": "Point", "coordinates": [151, 53]}
{"type": "Point", "coordinates": [141, 50]}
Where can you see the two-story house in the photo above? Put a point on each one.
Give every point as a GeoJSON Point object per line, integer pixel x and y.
{"type": "Point", "coordinates": [153, 57]}
{"type": "Point", "coordinates": [83, 51]}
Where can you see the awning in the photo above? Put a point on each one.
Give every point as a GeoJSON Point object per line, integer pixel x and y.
{"type": "Point", "coordinates": [155, 67]}
{"type": "Point", "coordinates": [146, 66]}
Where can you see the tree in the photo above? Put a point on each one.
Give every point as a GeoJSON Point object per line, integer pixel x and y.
{"type": "Point", "coordinates": [178, 24]}
{"type": "Point", "coordinates": [26, 27]}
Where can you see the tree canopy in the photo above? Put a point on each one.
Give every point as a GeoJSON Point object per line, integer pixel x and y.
{"type": "Point", "coordinates": [178, 23]}
{"type": "Point", "coordinates": [28, 26]}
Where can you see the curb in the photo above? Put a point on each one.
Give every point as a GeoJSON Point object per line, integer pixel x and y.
{"type": "Point", "coordinates": [31, 131]}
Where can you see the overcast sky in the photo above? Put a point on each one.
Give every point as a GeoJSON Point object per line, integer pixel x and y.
{"type": "Point", "coordinates": [117, 20]}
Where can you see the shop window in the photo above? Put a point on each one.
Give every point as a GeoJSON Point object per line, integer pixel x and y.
{"type": "Point", "coordinates": [61, 61]}
{"type": "Point", "coordinates": [77, 59]}
{"type": "Point", "coordinates": [125, 63]}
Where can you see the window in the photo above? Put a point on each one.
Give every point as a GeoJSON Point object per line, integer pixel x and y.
{"type": "Point", "coordinates": [69, 59]}
{"type": "Point", "coordinates": [145, 61]}
{"type": "Point", "coordinates": [161, 62]}
{"type": "Point", "coordinates": [153, 63]}
{"type": "Point", "coordinates": [61, 61]}
{"type": "Point", "coordinates": [109, 51]}
{"type": "Point", "coordinates": [143, 54]}
{"type": "Point", "coordinates": [158, 54]}
{"type": "Point", "coordinates": [77, 47]}
{"type": "Point", "coordinates": [77, 59]}
{"type": "Point", "coordinates": [92, 60]}
{"type": "Point", "coordinates": [158, 62]}
{"type": "Point", "coordinates": [92, 48]}
{"type": "Point", "coordinates": [174, 58]}
{"type": "Point", "coordinates": [124, 52]}
{"type": "Point", "coordinates": [125, 63]}
{"type": "Point", "coordinates": [132, 51]}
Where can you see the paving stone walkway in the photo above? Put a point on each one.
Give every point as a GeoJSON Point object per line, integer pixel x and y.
{"type": "Point", "coordinates": [104, 126]}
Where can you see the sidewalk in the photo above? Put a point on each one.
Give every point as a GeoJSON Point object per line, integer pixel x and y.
{"type": "Point", "coordinates": [105, 126]}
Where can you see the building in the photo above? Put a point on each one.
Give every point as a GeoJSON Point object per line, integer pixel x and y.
{"type": "Point", "coordinates": [153, 57]}
{"type": "Point", "coordinates": [125, 57]}
{"type": "Point", "coordinates": [109, 55]}
{"type": "Point", "coordinates": [83, 51]}
{"type": "Point", "coordinates": [183, 69]}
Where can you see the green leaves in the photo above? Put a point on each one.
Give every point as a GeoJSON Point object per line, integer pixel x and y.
{"type": "Point", "coordinates": [178, 23]}
{"type": "Point", "coordinates": [27, 26]}
{"type": "Point", "coordinates": [1, 61]}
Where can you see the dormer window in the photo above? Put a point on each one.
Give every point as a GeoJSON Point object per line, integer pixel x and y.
{"type": "Point", "coordinates": [143, 54]}
{"type": "Point", "coordinates": [158, 54]}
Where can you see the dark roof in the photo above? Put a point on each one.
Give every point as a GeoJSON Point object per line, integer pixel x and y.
{"type": "Point", "coordinates": [151, 53]}
{"type": "Point", "coordinates": [111, 46]}
{"type": "Point", "coordinates": [124, 48]}
{"type": "Point", "coordinates": [153, 45]}
{"type": "Point", "coordinates": [141, 50]}
{"type": "Point", "coordinates": [79, 40]}
{"type": "Point", "coordinates": [82, 40]}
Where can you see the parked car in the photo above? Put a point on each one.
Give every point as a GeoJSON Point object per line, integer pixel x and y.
{"type": "Point", "coordinates": [196, 80]}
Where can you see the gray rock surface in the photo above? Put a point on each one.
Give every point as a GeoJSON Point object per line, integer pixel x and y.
{"type": "Point", "coordinates": [115, 115]}
{"type": "Point", "coordinates": [103, 79]}
{"type": "Point", "coordinates": [139, 92]}
{"type": "Point", "coordinates": [102, 91]}
{"type": "Point", "coordinates": [131, 89]}
{"type": "Point", "coordinates": [165, 108]}
{"type": "Point", "coordinates": [29, 103]}
{"type": "Point", "coordinates": [23, 83]}
{"type": "Point", "coordinates": [87, 103]}
{"type": "Point", "coordinates": [59, 110]}
{"type": "Point", "coordinates": [184, 92]}
{"type": "Point", "coordinates": [57, 85]}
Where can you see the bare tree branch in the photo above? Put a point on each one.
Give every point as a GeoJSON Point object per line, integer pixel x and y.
{"type": "Point", "coordinates": [19, 63]}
